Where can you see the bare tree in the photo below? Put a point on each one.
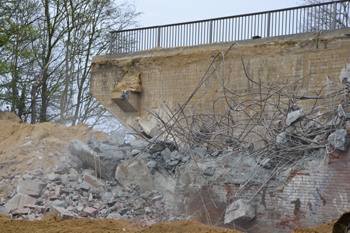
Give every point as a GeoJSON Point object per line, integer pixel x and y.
{"type": "Point", "coordinates": [328, 16]}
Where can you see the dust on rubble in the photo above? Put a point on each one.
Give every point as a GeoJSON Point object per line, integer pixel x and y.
{"type": "Point", "coordinates": [52, 222]}
{"type": "Point", "coordinates": [26, 147]}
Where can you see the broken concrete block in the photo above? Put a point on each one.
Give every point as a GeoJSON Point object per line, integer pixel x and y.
{"type": "Point", "coordinates": [19, 201]}
{"type": "Point", "coordinates": [91, 180]}
{"type": "Point", "coordinates": [117, 138]}
{"type": "Point", "coordinates": [127, 100]}
{"type": "Point", "coordinates": [341, 112]}
{"type": "Point", "coordinates": [136, 173]}
{"type": "Point", "coordinates": [104, 163]}
{"type": "Point", "coordinates": [58, 203]}
{"type": "Point", "coordinates": [115, 216]}
{"type": "Point", "coordinates": [66, 214]}
{"type": "Point", "coordinates": [339, 139]}
{"type": "Point", "coordinates": [344, 76]}
{"type": "Point", "coordinates": [284, 139]}
{"type": "Point", "coordinates": [294, 117]}
{"type": "Point", "coordinates": [90, 211]}
{"type": "Point", "coordinates": [158, 146]}
{"type": "Point", "coordinates": [148, 127]}
{"type": "Point", "coordinates": [29, 187]}
{"type": "Point", "coordinates": [209, 171]}
{"type": "Point", "coordinates": [239, 210]}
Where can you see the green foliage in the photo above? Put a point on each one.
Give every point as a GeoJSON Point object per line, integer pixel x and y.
{"type": "Point", "coordinates": [46, 48]}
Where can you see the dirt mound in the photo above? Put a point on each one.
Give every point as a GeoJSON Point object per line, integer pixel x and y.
{"type": "Point", "coordinates": [324, 228]}
{"type": "Point", "coordinates": [26, 147]}
{"type": "Point", "coordinates": [53, 223]}
{"type": "Point", "coordinates": [9, 116]}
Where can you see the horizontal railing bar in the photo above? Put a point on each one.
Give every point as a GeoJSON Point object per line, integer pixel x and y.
{"type": "Point", "coordinates": [228, 17]}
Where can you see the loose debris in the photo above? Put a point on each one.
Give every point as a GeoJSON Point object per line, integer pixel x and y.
{"type": "Point", "coordinates": [255, 142]}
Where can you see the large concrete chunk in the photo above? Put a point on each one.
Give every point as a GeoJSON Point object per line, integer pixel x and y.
{"type": "Point", "coordinates": [339, 139]}
{"type": "Point", "coordinates": [239, 210]}
{"type": "Point", "coordinates": [127, 100]}
{"type": "Point", "coordinates": [19, 201]}
{"type": "Point", "coordinates": [284, 139]}
{"type": "Point", "coordinates": [91, 180]}
{"type": "Point", "coordinates": [29, 187]}
{"type": "Point", "coordinates": [104, 163]}
{"type": "Point", "coordinates": [294, 117]}
{"type": "Point", "coordinates": [136, 173]}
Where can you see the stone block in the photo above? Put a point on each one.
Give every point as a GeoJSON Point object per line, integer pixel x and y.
{"type": "Point", "coordinates": [339, 139]}
{"type": "Point", "coordinates": [29, 187]}
{"type": "Point", "coordinates": [239, 210]}
{"type": "Point", "coordinates": [127, 100]}
{"type": "Point", "coordinates": [92, 181]}
{"type": "Point", "coordinates": [66, 214]}
{"type": "Point", "coordinates": [91, 211]}
{"type": "Point", "coordinates": [19, 201]}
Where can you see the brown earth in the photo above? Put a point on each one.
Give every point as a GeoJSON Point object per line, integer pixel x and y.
{"type": "Point", "coordinates": [52, 223]}
{"type": "Point", "coordinates": [26, 147]}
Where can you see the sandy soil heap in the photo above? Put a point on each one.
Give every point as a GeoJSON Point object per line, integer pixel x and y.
{"type": "Point", "coordinates": [53, 223]}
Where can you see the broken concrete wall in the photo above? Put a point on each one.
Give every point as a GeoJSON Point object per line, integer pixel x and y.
{"type": "Point", "coordinates": [203, 184]}
{"type": "Point", "coordinates": [170, 75]}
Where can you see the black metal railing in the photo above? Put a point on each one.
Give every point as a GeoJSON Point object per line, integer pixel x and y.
{"type": "Point", "coordinates": [296, 20]}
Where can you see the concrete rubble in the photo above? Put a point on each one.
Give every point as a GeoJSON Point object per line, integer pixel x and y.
{"type": "Point", "coordinates": [150, 183]}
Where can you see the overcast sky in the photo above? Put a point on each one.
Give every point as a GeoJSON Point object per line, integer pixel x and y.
{"type": "Point", "coordinates": [159, 12]}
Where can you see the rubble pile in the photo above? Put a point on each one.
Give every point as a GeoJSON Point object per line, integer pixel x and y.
{"type": "Point", "coordinates": [76, 193]}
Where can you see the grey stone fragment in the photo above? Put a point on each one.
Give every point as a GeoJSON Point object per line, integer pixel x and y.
{"type": "Point", "coordinates": [27, 177]}
{"type": "Point", "coordinates": [294, 117]}
{"type": "Point", "coordinates": [239, 210]}
{"type": "Point", "coordinates": [166, 154]}
{"type": "Point", "coordinates": [158, 146]}
{"type": "Point", "coordinates": [107, 197]}
{"type": "Point", "coordinates": [138, 203]}
{"type": "Point", "coordinates": [38, 171]}
{"type": "Point", "coordinates": [199, 152]}
{"type": "Point", "coordinates": [148, 210]}
{"type": "Point", "coordinates": [339, 139]}
{"type": "Point", "coordinates": [138, 143]}
{"type": "Point", "coordinates": [151, 164]}
{"type": "Point", "coordinates": [340, 111]}
{"type": "Point", "coordinates": [59, 203]}
{"type": "Point", "coordinates": [157, 198]}
{"type": "Point", "coordinates": [344, 76]}
{"type": "Point", "coordinates": [29, 187]}
{"type": "Point", "coordinates": [104, 141]}
{"type": "Point", "coordinates": [209, 171]}
{"type": "Point", "coordinates": [53, 177]}
{"type": "Point", "coordinates": [173, 163]}
{"type": "Point", "coordinates": [109, 161]}
{"type": "Point", "coordinates": [18, 201]}
{"type": "Point", "coordinates": [115, 216]}
{"type": "Point", "coordinates": [91, 141]}
{"type": "Point", "coordinates": [117, 138]}
{"type": "Point", "coordinates": [123, 211]}
{"type": "Point", "coordinates": [284, 139]}
{"type": "Point", "coordinates": [84, 186]}
{"type": "Point", "coordinates": [104, 163]}
{"type": "Point", "coordinates": [135, 151]}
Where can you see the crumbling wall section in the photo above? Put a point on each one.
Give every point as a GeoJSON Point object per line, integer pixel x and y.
{"type": "Point", "coordinates": [170, 75]}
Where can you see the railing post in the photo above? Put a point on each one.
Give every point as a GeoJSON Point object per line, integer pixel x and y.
{"type": "Point", "coordinates": [211, 32]}
{"type": "Point", "coordinates": [158, 44]}
{"type": "Point", "coordinates": [334, 16]}
{"type": "Point", "coordinates": [110, 43]}
{"type": "Point", "coordinates": [268, 24]}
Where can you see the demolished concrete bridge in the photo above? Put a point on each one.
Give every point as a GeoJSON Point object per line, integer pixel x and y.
{"type": "Point", "coordinates": [286, 88]}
